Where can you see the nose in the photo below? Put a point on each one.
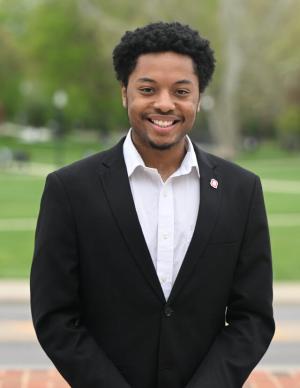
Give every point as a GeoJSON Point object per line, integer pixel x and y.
{"type": "Point", "coordinates": [164, 102]}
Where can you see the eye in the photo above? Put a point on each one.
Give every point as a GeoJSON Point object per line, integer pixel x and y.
{"type": "Point", "coordinates": [182, 92]}
{"type": "Point", "coordinates": [146, 90]}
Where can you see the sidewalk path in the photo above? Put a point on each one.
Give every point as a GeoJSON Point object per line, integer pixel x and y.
{"type": "Point", "coordinates": [50, 378]}
{"type": "Point", "coordinates": [19, 330]}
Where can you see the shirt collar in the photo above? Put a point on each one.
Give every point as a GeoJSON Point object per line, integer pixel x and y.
{"type": "Point", "coordinates": [131, 155]}
{"type": "Point", "coordinates": [189, 161]}
{"type": "Point", "coordinates": [133, 159]}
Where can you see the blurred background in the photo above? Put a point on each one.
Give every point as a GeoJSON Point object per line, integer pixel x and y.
{"type": "Point", "coordinates": [60, 101]}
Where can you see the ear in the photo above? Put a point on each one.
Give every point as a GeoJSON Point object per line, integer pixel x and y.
{"type": "Point", "coordinates": [198, 107]}
{"type": "Point", "coordinates": [124, 95]}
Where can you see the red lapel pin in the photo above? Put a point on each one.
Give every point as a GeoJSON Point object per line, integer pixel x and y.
{"type": "Point", "coordinates": [214, 183]}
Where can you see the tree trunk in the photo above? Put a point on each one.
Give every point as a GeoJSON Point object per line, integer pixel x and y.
{"type": "Point", "coordinates": [224, 118]}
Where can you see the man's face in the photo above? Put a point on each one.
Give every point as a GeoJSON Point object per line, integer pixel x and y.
{"type": "Point", "coordinates": [162, 98]}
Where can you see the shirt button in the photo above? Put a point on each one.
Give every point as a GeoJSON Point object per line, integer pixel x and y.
{"type": "Point", "coordinates": [165, 194]}
{"type": "Point", "coordinates": [168, 311]}
{"type": "Point", "coordinates": [163, 280]}
{"type": "Point", "coordinates": [165, 236]}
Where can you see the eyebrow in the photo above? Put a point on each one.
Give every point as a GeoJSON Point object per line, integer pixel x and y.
{"type": "Point", "coordinates": [146, 79]}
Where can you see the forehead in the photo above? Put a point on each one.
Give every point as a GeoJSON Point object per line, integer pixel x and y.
{"type": "Point", "coordinates": [164, 66]}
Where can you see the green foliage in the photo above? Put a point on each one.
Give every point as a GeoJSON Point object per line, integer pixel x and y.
{"type": "Point", "coordinates": [54, 45]}
{"type": "Point", "coordinates": [288, 126]}
{"type": "Point", "coordinates": [10, 73]}
{"type": "Point", "coordinates": [67, 45]}
{"type": "Point", "coordinates": [66, 53]}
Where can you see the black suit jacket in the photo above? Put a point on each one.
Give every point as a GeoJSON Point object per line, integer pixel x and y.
{"type": "Point", "coordinates": [97, 304]}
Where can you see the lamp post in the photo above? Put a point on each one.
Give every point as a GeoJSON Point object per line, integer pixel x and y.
{"type": "Point", "coordinates": [59, 100]}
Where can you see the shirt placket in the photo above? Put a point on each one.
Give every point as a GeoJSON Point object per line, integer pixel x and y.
{"type": "Point", "coordinates": [165, 240]}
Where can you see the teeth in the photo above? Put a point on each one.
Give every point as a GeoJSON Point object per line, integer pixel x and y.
{"type": "Point", "coordinates": [161, 123]}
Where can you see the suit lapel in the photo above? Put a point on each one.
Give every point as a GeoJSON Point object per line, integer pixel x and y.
{"type": "Point", "coordinates": [207, 215]}
{"type": "Point", "coordinates": [114, 178]}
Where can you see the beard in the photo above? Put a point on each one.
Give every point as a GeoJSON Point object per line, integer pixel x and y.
{"type": "Point", "coordinates": [161, 147]}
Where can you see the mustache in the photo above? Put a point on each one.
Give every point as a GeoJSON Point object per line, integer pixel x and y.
{"type": "Point", "coordinates": [161, 116]}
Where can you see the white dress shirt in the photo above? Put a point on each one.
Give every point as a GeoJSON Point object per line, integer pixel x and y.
{"type": "Point", "coordinates": [167, 211]}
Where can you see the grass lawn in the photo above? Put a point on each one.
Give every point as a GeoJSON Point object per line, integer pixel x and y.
{"type": "Point", "coordinates": [19, 200]}
{"type": "Point", "coordinates": [280, 173]}
{"type": "Point", "coordinates": [19, 195]}
{"type": "Point", "coordinates": [283, 209]}
{"type": "Point", "coordinates": [16, 253]}
{"type": "Point", "coordinates": [286, 248]}
{"type": "Point", "coordinates": [52, 152]}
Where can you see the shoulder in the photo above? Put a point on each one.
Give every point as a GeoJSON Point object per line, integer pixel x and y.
{"type": "Point", "coordinates": [224, 167]}
{"type": "Point", "coordinates": [234, 179]}
{"type": "Point", "coordinates": [229, 167]}
{"type": "Point", "coordinates": [87, 167]}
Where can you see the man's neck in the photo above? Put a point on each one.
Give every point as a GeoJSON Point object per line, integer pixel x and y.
{"type": "Point", "coordinates": [165, 161]}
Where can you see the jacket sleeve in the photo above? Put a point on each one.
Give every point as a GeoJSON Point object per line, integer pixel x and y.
{"type": "Point", "coordinates": [249, 318]}
{"type": "Point", "coordinates": [55, 301]}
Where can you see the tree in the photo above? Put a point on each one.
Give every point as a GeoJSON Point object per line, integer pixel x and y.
{"type": "Point", "coordinates": [66, 53]}
{"type": "Point", "coordinates": [10, 74]}
{"type": "Point", "coordinates": [49, 45]}
{"type": "Point", "coordinates": [261, 62]}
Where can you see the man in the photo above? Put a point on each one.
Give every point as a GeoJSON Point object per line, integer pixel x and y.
{"type": "Point", "coordinates": [152, 264]}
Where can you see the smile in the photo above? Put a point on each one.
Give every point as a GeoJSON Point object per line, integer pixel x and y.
{"type": "Point", "coordinates": [163, 123]}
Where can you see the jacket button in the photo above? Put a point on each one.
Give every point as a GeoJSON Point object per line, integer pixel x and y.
{"type": "Point", "coordinates": [76, 322]}
{"type": "Point", "coordinates": [168, 311]}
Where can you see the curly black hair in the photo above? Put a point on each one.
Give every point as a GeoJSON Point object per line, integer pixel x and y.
{"type": "Point", "coordinates": [161, 37]}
